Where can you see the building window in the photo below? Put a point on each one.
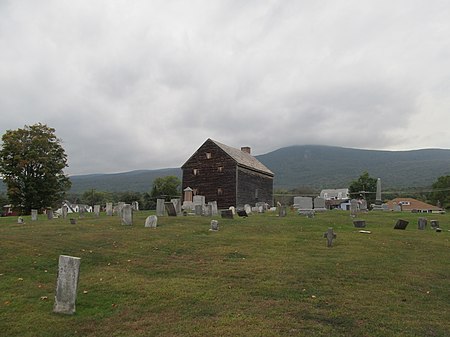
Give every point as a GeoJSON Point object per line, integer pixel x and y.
{"type": "Point", "coordinates": [219, 191]}
{"type": "Point", "coordinates": [196, 172]}
{"type": "Point", "coordinates": [220, 169]}
{"type": "Point", "coordinates": [208, 155]}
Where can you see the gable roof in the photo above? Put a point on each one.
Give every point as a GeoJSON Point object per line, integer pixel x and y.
{"type": "Point", "coordinates": [243, 158]}
{"type": "Point", "coordinates": [411, 204]}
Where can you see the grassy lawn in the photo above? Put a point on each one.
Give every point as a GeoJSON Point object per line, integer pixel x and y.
{"type": "Point", "coordinates": [258, 276]}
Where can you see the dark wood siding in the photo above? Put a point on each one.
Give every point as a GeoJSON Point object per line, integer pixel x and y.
{"type": "Point", "coordinates": [215, 170]}
{"type": "Point", "coordinates": [253, 187]}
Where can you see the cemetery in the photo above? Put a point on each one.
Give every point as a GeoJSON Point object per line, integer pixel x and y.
{"type": "Point", "coordinates": [273, 272]}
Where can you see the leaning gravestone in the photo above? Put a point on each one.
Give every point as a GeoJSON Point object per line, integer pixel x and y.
{"type": "Point", "coordinates": [127, 215]}
{"type": "Point", "coordinates": [159, 207]}
{"type": "Point", "coordinates": [170, 208]}
{"type": "Point", "coordinates": [177, 205]}
{"type": "Point", "coordinates": [330, 235]}
{"type": "Point", "coordinates": [151, 221]}
{"type": "Point", "coordinates": [67, 284]}
{"type": "Point", "coordinates": [109, 209]}
{"type": "Point", "coordinates": [34, 215]}
{"type": "Point", "coordinates": [422, 223]}
{"type": "Point", "coordinates": [214, 225]}
{"type": "Point", "coordinates": [401, 224]}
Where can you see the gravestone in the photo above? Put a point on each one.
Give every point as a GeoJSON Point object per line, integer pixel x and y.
{"type": "Point", "coordinates": [151, 221]}
{"type": "Point", "coordinates": [421, 223]}
{"type": "Point", "coordinates": [304, 203]}
{"type": "Point", "coordinates": [198, 200]}
{"type": "Point", "coordinates": [214, 210]}
{"type": "Point", "coordinates": [282, 212]}
{"type": "Point", "coordinates": [214, 225]}
{"type": "Point", "coordinates": [401, 224]}
{"type": "Point", "coordinates": [198, 210]}
{"type": "Point", "coordinates": [378, 202]}
{"type": "Point", "coordinates": [20, 220]}
{"type": "Point", "coordinates": [330, 236]}
{"type": "Point", "coordinates": [227, 214]}
{"type": "Point", "coordinates": [309, 213]}
{"type": "Point", "coordinates": [262, 207]}
{"type": "Point", "coordinates": [177, 204]}
{"type": "Point", "coordinates": [160, 207]}
{"type": "Point", "coordinates": [248, 208]}
{"type": "Point", "coordinates": [97, 210]}
{"type": "Point", "coordinates": [81, 211]}
{"type": "Point", "coordinates": [319, 204]}
{"type": "Point", "coordinates": [354, 207]}
{"type": "Point", "coordinates": [127, 215]}
{"type": "Point", "coordinates": [232, 209]}
{"type": "Point", "coordinates": [109, 209]}
{"type": "Point", "coordinates": [359, 223]}
{"type": "Point", "coordinates": [207, 210]}
{"type": "Point", "coordinates": [49, 213]}
{"type": "Point", "coordinates": [34, 215]}
{"type": "Point", "coordinates": [363, 205]}
{"type": "Point", "coordinates": [242, 213]}
{"type": "Point", "coordinates": [67, 284]}
{"type": "Point", "coordinates": [120, 206]}
{"type": "Point", "coordinates": [170, 208]}
{"type": "Point", "coordinates": [135, 205]}
{"type": "Point", "coordinates": [64, 211]}
{"type": "Point", "coordinates": [434, 224]}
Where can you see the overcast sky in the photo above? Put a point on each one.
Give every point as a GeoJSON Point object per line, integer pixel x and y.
{"type": "Point", "coordinates": [142, 84]}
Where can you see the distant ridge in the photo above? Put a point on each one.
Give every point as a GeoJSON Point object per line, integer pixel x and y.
{"type": "Point", "coordinates": [314, 166]}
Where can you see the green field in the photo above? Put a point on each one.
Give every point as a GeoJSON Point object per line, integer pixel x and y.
{"type": "Point", "coordinates": [258, 276]}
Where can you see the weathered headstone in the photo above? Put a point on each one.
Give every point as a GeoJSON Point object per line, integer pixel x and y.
{"type": "Point", "coordinates": [109, 209]}
{"type": "Point", "coordinates": [359, 223]}
{"type": "Point", "coordinates": [97, 210]}
{"type": "Point", "coordinates": [20, 220]}
{"type": "Point", "coordinates": [198, 200]}
{"type": "Point", "coordinates": [127, 215]}
{"type": "Point", "coordinates": [207, 210]}
{"type": "Point", "coordinates": [378, 202]}
{"type": "Point", "coordinates": [282, 212]}
{"type": "Point", "coordinates": [303, 203]}
{"type": "Point", "coordinates": [319, 204]}
{"type": "Point", "coordinates": [354, 207]}
{"type": "Point", "coordinates": [262, 207]}
{"type": "Point", "coordinates": [135, 205]}
{"type": "Point", "coordinates": [214, 210]}
{"type": "Point", "coordinates": [160, 207]}
{"type": "Point", "coordinates": [330, 236]}
{"type": "Point", "coordinates": [64, 211]}
{"type": "Point", "coordinates": [214, 225]}
{"type": "Point", "coordinates": [421, 223]}
{"type": "Point", "coordinates": [434, 224]}
{"type": "Point", "coordinates": [34, 215]}
{"type": "Point", "coordinates": [401, 224]}
{"type": "Point", "coordinates": [363, 205]}
{"type": "Point", "coordinates": [198, 210]}
{"type": "Point", "coordinates": [170, 208]}
{"type": "Point", "coordinates": [120, 206]}
{"type": "Point", "coordinates": [67, 284]}
{"type": "Point", "coordinates": [177, 205]}
{"type": "Point", "coordinates": [81, 211]}
{"type": "Point", "coordinates": [227, 214]}
{"type": "Point", "coordinates": [151, 221]}
{"type": "Point", "coordinates": [248, 208]}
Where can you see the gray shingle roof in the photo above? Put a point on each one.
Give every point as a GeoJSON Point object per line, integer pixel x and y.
{"type": "Point", "coordinates": [243, 158]}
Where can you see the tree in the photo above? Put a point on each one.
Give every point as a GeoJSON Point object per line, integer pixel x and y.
{"type": "Point", "coordinates": [31, 163]}
{"type": "Point", "coordinates": [166, 187]}
{"type": "Point", "coordinates": [441, 191]}
{"type": "Point", "coordinates": [364, 186]}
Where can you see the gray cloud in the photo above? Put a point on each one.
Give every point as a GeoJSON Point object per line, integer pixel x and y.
{"type": "Point", "coordinates": [143, 84]}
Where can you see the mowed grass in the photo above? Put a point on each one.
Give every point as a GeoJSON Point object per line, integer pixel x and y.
{"type": "Point", "coordinates": [258, 276]}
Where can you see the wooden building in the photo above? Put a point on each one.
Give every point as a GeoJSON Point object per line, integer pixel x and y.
{"type": "Point", "coordinates": [230, 176]}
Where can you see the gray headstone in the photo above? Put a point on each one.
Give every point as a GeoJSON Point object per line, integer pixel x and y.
{"type": "Point", "coordinates": [422, 223]}
{"type": "Point", "coordinates": [64, 211]}
{"type": "Point", "coordinates": [303, 203]}
{"type": "Point", "coordinates": [330, 236]}
{"type": "Point", "coordinates": [354, 207]}
{"type": "Point", "coordinates": [198, 209]}
{"type": "Point", "coordinates": [363, 205]}
{"type": "Point", "coordinates": [151, 221]}
{"type": "Point", "coordinates": [49, 213]}
{"type": "Point", "coordinates": [34, 215]}
{"type": "Point", "coordinates": [120, 206]}
{"type": "Point", "coordinates": [97, 210]}
{"type": "Point", "coordinates": [282, 212]}
{"type": "Point", "coordinates": [434, 224]}
{"type": "Point", "coordinates": [401, 224]}
{"type": "Point", "coordinates": [359, 223]}
{"type": "Point", "coordinates": [81, 211]}
{"type": "Point", "coordinates": [127, 215]}
{"type": "Point", "coordinates": [214, 225]}
{"type": "Point", "coordinates": [177, 205]}
{"type": "Point", "coordinates": [109, 209]}
{"type": "Point", "coordinates": [208, 210]}
{"type": "Point", "coordinates": [135, 205]}
{"type": "Point", "coordinates": [170, 208]}
{"type": "Point", "coordinates": [227, 214]}
{"type": "Point", "coordinates": [20, 220]}
{"type": "Point", "coordinates": [214, 210]}
{"type": "Point", "coordinates": [67, 284]}
{"type": "Point", "coordinates": [319, 204]}
{"type": "Point", "coordinates": [198, 200]}
{"type": "Point", "coordinates": [160, 207]}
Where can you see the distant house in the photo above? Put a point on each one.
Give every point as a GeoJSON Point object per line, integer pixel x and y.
{"type": "Point", "coordinates": [336, 198]}
{"type": "Point", "coordinates": [230, 176]}
{"type": "Point", "coordinates": [412, 205]}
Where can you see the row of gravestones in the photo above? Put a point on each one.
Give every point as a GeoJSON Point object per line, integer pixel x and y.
{"type": "Point", "coordinates": [308, 203]}
{"type": "Point", "coordinates": [402, 224]}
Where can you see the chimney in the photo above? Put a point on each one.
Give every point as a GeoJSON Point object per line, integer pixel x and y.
{"type": "Point", "coordinates": [246, 149]}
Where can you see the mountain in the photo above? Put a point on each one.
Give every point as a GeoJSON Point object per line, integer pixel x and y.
{"type": "Point", "coordinates": [314, 166]}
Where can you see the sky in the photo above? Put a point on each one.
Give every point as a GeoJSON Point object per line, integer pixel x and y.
{"type": "Point", "coordinates": [142, 84]}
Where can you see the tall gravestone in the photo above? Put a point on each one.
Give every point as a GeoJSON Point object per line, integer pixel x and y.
{"type": "Point", "coordinates": [64, 211]}
{"type": "Point", "coordinates": [354, 207]}
{"type": "Point", "coordinates": [282, 211]}
{"type": "Point", "coordinates": [422, 223]}
{"type": "Point", "coordinates": [67, 284]}
{"type": "Point", "coordinates": [160, 207]}
{"type": "Point", "coordinates": [97, 210]}
{"type": "Point", "coordinates": [378, 202]}
{"type": "Point", "coordinates": [127, 215]}
{"type": "Point", "coordinates": [207, 210]}
{"type": "Point", "coordinates": [120, 206]}
{"type": "Point", "coordinates": [198, 210]}
{"type": "Point", "coordinates": [49, 213]}
{"type": "Point", "coordinates": [81, 211]}
{"type": "Point", "coordinates": [109, 209]}
{"type": "Point", "coordinates": [34, 215]}
{"type": "Point", "coordinates": [214, 209]}
{"type": "Point", "coordinates": [135, 205]}
{"type": "Point", "coordinates": [177, 204]}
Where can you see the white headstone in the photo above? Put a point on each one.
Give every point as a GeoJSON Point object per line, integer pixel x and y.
{"type": "Point", "coordinates": [97, 210]}
{"type": "Point", "coordinates": [160, 208]}
{"type": "Point", "coordinates": [214, 225]}
{"type": "Point", "coordinates": [127, 215]}
{"type": "Point", "coordinates": [67, 284]}
{"type": "Point", "coordinates": [151, 221]}
{"type": "Point", "coordinates": [109, 209]}
{"type": "Point", "coordinates": [34, 215]}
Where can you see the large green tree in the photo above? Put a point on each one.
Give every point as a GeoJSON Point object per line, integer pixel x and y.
{"type": "Point", "coordinates": [441, 191]}
{"type": "Point", "coordinates": [31, 163]}
{"type": "Point", "coordinates": [166, 187]}
{"type": "Point", "coordinates": [364, 186]}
